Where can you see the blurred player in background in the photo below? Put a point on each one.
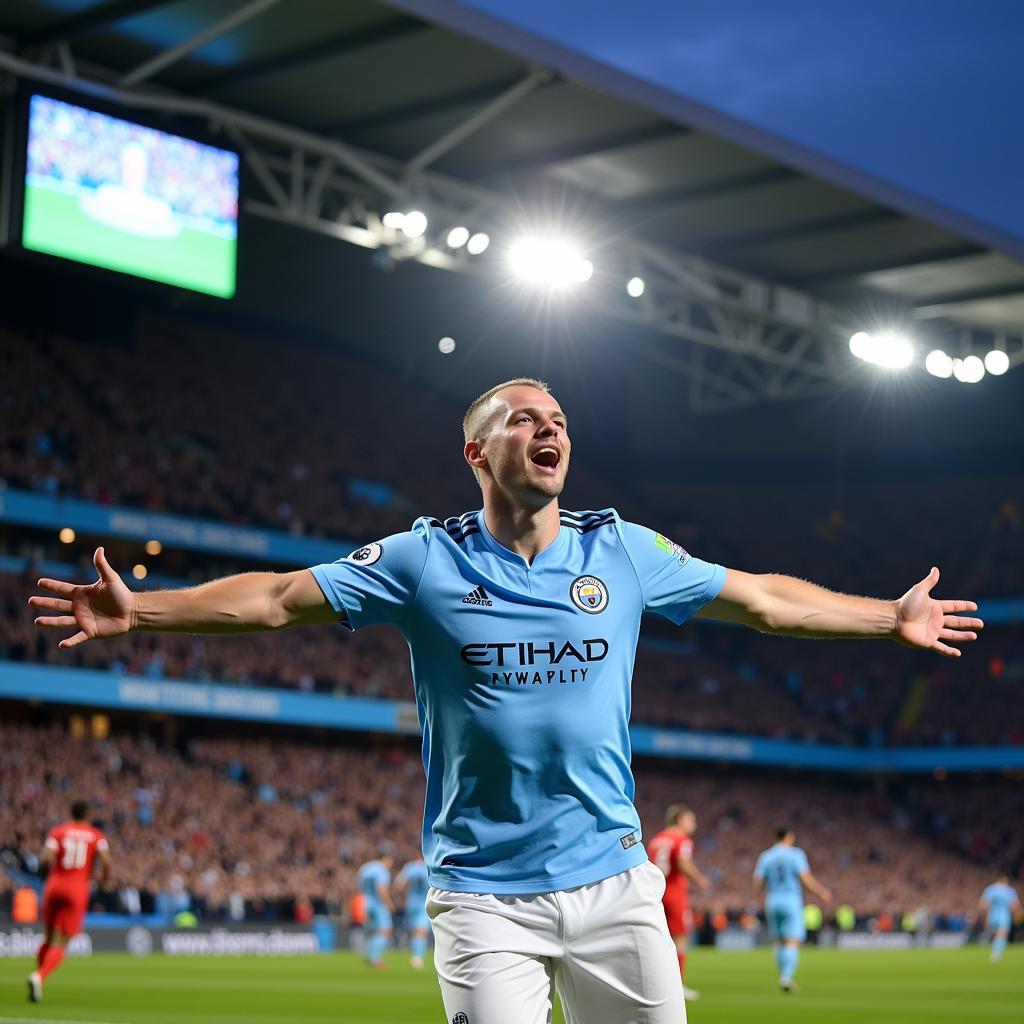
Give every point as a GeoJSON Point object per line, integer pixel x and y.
{"type": "Point", "coordinates": [672, 850]}
{"type": "Point", "coordinates": [1000, 904]}
{"type": "Point", "coordinates": [67, 861]}
{"type": "Point", "coordinates": [522, 621]}
{"type": "Point", "coordinates": [412, 885]}
{"type": "Point", "coordinates": [782, 873]}
{"type": "Point", "coordinates": [374, 881]}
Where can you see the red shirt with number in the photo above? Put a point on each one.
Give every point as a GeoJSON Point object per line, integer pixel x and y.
{"type": "Point", "coordinates": [66, 895]}
{"type": "Point", "coordinates": [665, 850]}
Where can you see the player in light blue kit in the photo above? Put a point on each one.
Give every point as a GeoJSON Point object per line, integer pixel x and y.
{"type": "Point", "coordinates": [1000, 905]}
{"type": "Point", "coordinates": [522, 620]}
{"type": "Point", "coordinates": [374, 881]}
{"type": "Point", "coordinates": [782, 873]}
{"type": "Point", "coordinates": [412, 885]}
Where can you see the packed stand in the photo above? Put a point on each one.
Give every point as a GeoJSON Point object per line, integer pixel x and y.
{"type": "Point", "coordinates": [236, 827]}
{"type": "Point", "coordinates": [701, 678]}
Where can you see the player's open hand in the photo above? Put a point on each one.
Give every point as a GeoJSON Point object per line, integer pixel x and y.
{"type": "Point", "coordinates": [100, 610]}
{"type": "Point", "coordinates": [921, 621]}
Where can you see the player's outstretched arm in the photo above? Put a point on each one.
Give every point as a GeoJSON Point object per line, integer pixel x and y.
{"type": "Point", "coordinates": [246, 603]}
{"type": "Point", "coordinates": [792, 607]}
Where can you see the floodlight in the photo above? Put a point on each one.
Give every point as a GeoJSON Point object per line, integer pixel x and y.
{"type": "Point", "coordinates": [997, 362]}
{"type": "Point", "coordinates": [635, 287]}
{"type": "Point", "coordinates": [457, 237]}
{"type": "Point", "coordinates": [393, 219]}
{"type": "Point", "coordinates": [938, 364]}
{"type": "Point", "coordinates": [549, 261]}
{"type": "Point", "coordinates": [414, 224]}
{"type": "Point", "coordinates": [968, 370]}
{"type": "Point", "coordinates": [478, 243]}
{"type": "Point", "coordinates": [446, 346]}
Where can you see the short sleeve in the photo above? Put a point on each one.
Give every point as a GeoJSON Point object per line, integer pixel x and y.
{"type": "Point", "coordinates": [376, 583]}
{"type": "Point", "coordinates": [51, 843]}
{"type": "Point", "coordinates": [102, 845]}
{"type": "Point", "coordinates": [759, 867]}
{"type": "Point", "coordinates": [674, 583]}
{"type": "Point", "coordinates": [800, 861]}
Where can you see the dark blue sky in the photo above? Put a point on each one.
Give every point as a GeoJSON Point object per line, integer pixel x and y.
{"type": "Point", "coordinates": [925, 94]}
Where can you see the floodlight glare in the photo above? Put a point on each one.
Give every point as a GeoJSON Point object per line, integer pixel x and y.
{"type": "Point", "coordinates": [997, 362]}
{"type": "Point", "coordinates": [415, 223]}
{"type": "Point", "coordinates": [968, 370]}
{"type": "Point", "coordinates": [938, 364]}
{"type": "Point", "coordinates": [889, 350]}
{"type": "Point", "coordinates": [860, 344]}
{"type": "Point", "coordinates": [478, 243]}
{"type": "Point", "coordinates": [635, 287]}
{"type": "Point", "coordinates": [457, 237]}
{"type": "Point", "coordinates": [549, 261]}
{"type": "Point", "coordinates": [892, 351]}
{"type": "Point", "coordinates": [446, 346]}
{"type": "Point", "coordinates": [393, 219]}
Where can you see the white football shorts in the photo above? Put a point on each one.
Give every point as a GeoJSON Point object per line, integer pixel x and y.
{"type": "Point", "coordinates": [605, 946]}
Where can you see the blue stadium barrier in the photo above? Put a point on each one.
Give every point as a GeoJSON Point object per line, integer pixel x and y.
{"type": "Point", "coordinates": [28, 508]}
{"type": "Point", "coordinates": [88, 687]}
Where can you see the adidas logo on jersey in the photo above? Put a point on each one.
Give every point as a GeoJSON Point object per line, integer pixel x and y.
{"type": "Point", "coordinates": [478, 596]}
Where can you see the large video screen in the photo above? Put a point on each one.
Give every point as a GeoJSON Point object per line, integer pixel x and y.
{"type": "Point", "coordinates": [114, 194]}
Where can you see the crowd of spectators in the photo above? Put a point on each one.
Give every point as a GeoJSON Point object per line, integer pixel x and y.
{"type": "Point", "coordinates": [219, 432]}
{"type": "Point", "coordinates": [231, 827]}
{"type": "Point", "coordinates": [702, 678]}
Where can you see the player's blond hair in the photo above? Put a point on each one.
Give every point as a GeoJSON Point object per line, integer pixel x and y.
{"type": "Point", "coordinates": [481, 415]}
{"type": "Point", "coordinates": [675, 812]}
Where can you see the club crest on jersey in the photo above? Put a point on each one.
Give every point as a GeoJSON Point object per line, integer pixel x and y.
{"type": "Point", "coordinates": [589, 594]}
{"type": "Point", "coordinates": [367, 555]}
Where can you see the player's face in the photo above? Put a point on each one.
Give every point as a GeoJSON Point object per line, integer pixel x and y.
{"type": "Point", "coordinates": [527, 447]}
{"type": "Point", "coordinates": [689, 823]}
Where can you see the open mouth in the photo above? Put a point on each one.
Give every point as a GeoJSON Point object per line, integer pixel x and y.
{"type": "Point", "coordinates": [546, 458]}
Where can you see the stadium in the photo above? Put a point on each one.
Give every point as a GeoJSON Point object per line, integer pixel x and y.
{"type": "Point", "coordinates": [256, 261]}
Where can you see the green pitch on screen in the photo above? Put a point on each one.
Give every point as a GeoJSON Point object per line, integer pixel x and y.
{"type": "Point", "coordinates": [55, 224]}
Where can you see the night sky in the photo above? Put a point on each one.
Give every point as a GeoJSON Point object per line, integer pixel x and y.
{"type": "Point", "coordinates": [925, 94]}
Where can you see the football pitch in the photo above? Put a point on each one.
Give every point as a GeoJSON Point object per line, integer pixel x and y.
{"type": "Point", "coordinates": [928, 987]}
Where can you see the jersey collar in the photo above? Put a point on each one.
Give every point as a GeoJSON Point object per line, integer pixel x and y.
{"type": "Point", "coordinates": [552, 551]}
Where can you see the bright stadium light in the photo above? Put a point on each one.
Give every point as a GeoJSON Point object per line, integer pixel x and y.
{"type": "Point", "coordinates": [968, 370]}
{"type": "Point", "coordinates": [938, 364]}
{"type": "Point", "coordinates": [393, 219]}
{"type": "Point", "coordinates": [997, 362]}
{"type": "Point", "coordinates": [549, 261]}
{"type": "Point", "coordinates": [414, 224]}
{"type": "Point", "coordinates": [446, 346]}
{"type": "Point", "coordinates": [67, 535]}
{"type": "Point", "coordinates": [457, 237]}
{"type": "Point", "coordinates": [478, 243]}
{"type": "Point", "coordinates": [889, 350]}
{"type": "Point", "coordinates": [860, 344]}
{"type": "Point", "coordinates": [635, 287]}
{"type": "Point", "coordinates": [140, 572]}
{"type": "Point", "coordinates": [153, 547]}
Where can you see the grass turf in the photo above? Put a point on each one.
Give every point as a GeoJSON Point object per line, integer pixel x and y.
{"type": "Point", "coordinates": [940, 987]}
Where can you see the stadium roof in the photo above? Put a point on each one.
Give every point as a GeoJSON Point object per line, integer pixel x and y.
{"type": "Point", "coordinates": [762, 255]}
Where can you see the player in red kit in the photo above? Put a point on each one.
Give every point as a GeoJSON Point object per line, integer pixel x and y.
{"type": "Point", "coordinates": [672, 850]}
{"type": "Point", "coordinates": [68, 857]}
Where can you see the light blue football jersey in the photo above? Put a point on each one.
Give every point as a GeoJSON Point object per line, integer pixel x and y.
{"type": "Point", "coordinates": [781, 867]}
{"type": "Point", "coordinates": [414, 877]}
{"type": "Point", "coordinates": [370, 876]}
{"type": "Point", "coordinates": [1001, 899]}
{"type": "Point", "coordinates": [522, 677]}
